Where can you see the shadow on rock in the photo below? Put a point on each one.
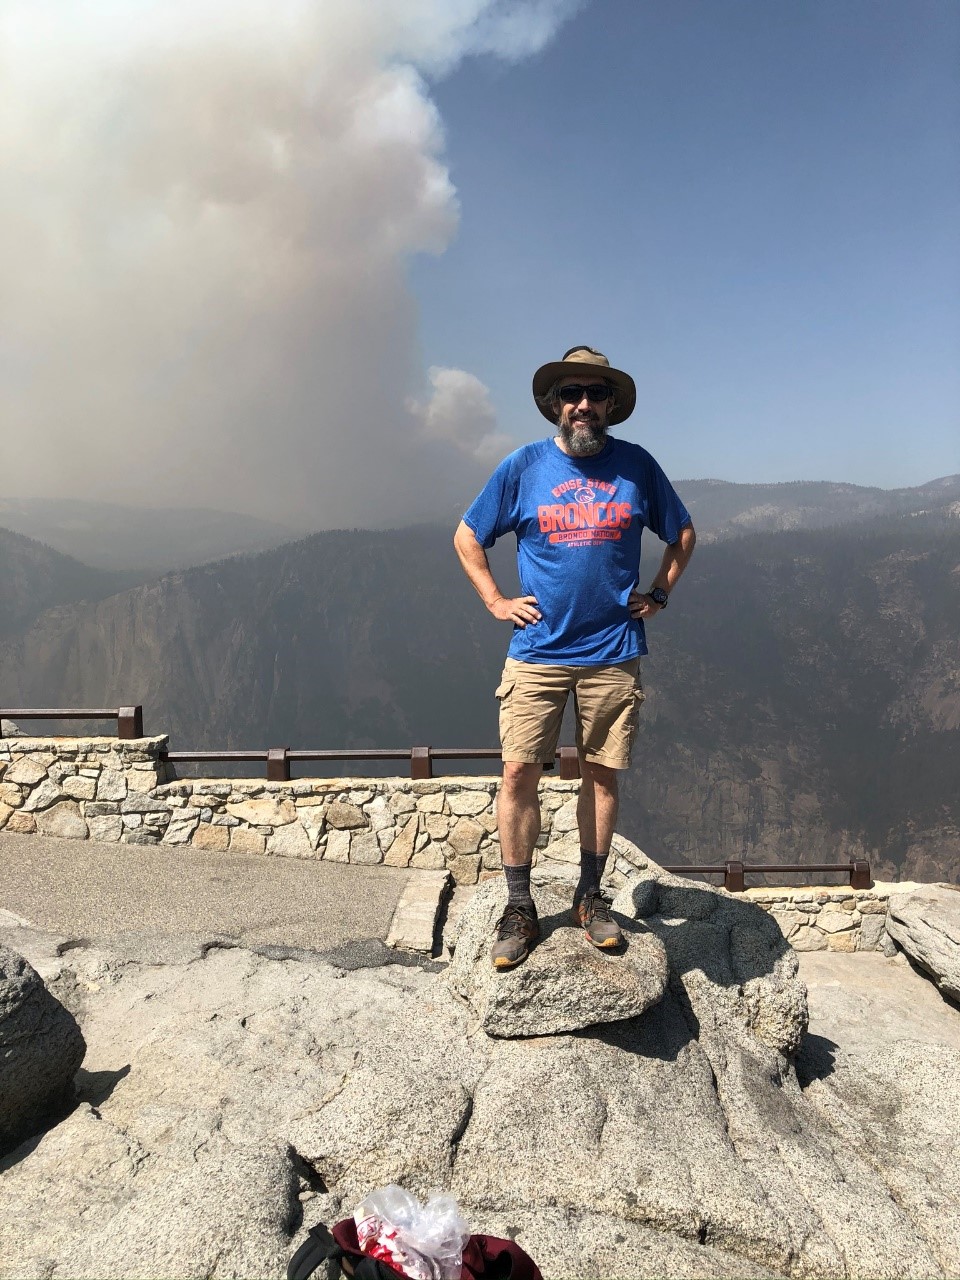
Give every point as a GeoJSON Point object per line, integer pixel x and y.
{"type": "Point", "coordinates": [96, 1087]}
{"type": "Point", "coordinates": [727, 958]}
{"type": "Point", "coordinates": [816, 1059]}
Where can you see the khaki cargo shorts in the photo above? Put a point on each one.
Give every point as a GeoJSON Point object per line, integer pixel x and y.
{"type": "Point", "coordinates": [606, 699]}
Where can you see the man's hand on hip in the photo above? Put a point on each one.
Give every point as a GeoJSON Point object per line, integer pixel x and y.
{"type": "Point", "coordinates": [522, 610]}
{"type": "Point", "coordinates": [641, 606]}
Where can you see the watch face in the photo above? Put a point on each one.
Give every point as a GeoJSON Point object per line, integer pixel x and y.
{"type": "Point", "coordinates": [658, 596]}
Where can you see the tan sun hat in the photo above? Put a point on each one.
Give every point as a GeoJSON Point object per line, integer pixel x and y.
{"type": "Point", "coordinates": [582, 363]}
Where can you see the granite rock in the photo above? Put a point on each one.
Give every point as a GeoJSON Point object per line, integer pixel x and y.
{"type": "Point", "coordinates": [926, 925]}
{"type": "Point", "coordinates": [673, 1144]}
{"type": "Point", "coordinates": [565, 984]}
{"type": "Point", "coordinates": [41, 1049]}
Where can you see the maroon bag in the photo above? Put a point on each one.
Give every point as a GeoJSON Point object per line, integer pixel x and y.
{"type": "Point", "coordinates": [484, 1257]}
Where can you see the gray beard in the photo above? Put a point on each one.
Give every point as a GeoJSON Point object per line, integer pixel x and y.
{"type": "Point", "coordinates": [584, 438]}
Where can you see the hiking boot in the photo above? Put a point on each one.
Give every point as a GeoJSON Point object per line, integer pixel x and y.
{"type": "Point", "coordinates": [592, 913]}
{"type": "Point", "coordinates": [517, 930]}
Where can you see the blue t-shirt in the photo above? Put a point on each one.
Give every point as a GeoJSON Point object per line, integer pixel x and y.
{"type": "Point", "coordinates": [578, 523]}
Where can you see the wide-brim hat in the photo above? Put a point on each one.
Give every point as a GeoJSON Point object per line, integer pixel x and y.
{"type": "Point", "coordinates": [583, 363]}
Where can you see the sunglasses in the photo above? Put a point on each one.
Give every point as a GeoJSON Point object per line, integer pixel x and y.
{"type": "Point", "coordinates": [595, 393]}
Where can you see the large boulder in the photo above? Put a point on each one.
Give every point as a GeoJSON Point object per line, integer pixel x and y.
{"type": "Point", "coordinates": [926, 925]}
{"type": "Point", "coordinates": [41, 1050]}
{"type": "Point", "coordinates": [727, 956]}
{"type": "Point", "coordinates": [565, 984]}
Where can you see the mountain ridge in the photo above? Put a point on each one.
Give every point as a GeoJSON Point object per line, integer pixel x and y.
{"type": "Point", "coordinates": [803, 690]}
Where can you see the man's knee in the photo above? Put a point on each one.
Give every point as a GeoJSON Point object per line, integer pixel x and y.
{"type": "Point", "coordinates": [600, 775]}
{"type": "Point", "coordinates": [521, 779]}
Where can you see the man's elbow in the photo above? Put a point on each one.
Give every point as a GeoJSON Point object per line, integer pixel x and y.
{"type": "Point", "coordinates": [462, 530]}
{"type": "Point", "coordinates": [687, 540]}
{"type": "Point", "coordinates": [464, 539]}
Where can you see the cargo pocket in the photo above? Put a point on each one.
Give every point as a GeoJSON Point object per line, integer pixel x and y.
{"type": "Point", "coordinates": [634, 722]}
{"type": "Point", "coordinates": [503, 696]}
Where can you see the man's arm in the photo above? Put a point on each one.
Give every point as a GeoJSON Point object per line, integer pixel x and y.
{"type": "Point", "coordinates": [675, 560]}
{"type": "Point", "coordinates": [476, 566]}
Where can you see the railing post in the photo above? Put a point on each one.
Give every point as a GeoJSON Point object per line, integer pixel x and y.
{"type": "Point", "coordinates": [421, 765]}
{"type": "Point", "coordinates": [569, 764]}
{"type": "Point", "coordinates": [278, 765]}
{"type": "Point", "coordinates": [860, 874]}
{"type": "Point", "coordinates": [130, 722]}
{"type": "Point", "coordinates": [733, 876]}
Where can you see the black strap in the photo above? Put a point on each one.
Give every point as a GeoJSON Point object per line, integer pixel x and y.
{"type": "Point", "coordinates": [318, 1248]}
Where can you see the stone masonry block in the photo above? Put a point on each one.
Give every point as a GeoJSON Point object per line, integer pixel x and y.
{"type": "Point", "coordinates": [26, 771]}
{"type": "Point", "coordinates": [467, 804]}
{"type": "Point", "coordinates": [345, 816]}
{"type": "Point", "coordinates": [23, 823]}
{"type": "Point", "coordinates": [466, 836]}
{"type": "Point", "coordinates": [434, 802]}
{"type": "Point", "coordinates": [365, 848]}
{"type": "Point", "coordinates": [206, 836]}
{"type": "Point", "coordinates": [107, 827]}
{"type": "Point", "coordinates": [834, 921]}
{"type": "Point", "coordinates": [267, 812]}
{"type": "Point", "coordinates": [243, 840]}
{"type": "Point", "coordinates": [111, 785]}
{"type": "Point", "coordinates": [338, 846]}
{"type": "Point", "coordinates": [63, 819]}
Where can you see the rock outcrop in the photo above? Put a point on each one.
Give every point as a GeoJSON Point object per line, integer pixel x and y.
{"type": "Point", "coordinates": [565, 985]}
{"type": "Point", "coordinates": [231, 1099]}
{"type": "Point", "coordinates": [926, 924]}
{"type": "Point", "coordinates": [41, 1049]}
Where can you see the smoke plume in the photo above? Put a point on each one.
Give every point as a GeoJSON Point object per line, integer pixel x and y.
{"type": "Point", "coordinates": [206, 212]}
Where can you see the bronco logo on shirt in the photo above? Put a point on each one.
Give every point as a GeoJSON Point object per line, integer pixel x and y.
{"type": "Point", "coordinates": [584, 522]}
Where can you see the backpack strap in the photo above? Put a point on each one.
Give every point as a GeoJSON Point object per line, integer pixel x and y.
{"type": "Point", "coordinates": [318, 1249]}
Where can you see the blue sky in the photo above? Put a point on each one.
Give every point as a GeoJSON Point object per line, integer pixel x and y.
{"type": "Point", "coordinates": [751, 205]}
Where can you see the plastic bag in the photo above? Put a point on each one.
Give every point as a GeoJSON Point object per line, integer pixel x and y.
{"type": "Point", "coordinates": [425, 1242]}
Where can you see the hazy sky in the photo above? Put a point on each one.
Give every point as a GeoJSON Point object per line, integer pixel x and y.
{"type": "Point", "coordinates": [301, 258]}
{"type": "Point", "coordinates": [754, 205]}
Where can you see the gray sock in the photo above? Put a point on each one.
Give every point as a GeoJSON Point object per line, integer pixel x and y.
{"type": "Point", "coordinates": [591, 871]}
{"type": "Point", "coordinates": [518, 885]}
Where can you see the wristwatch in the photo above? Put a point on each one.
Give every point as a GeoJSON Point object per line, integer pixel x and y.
{"type": "Point", "coordinates": [658, 596]}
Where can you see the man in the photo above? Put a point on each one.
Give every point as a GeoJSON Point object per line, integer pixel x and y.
{"type": "Point", "coordinates": [577, 502]}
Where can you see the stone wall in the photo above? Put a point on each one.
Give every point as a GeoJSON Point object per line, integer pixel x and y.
{"type": "Point", "coordinates": [109, 789]}
{"type": "Point", "coordinates": [832, 919]}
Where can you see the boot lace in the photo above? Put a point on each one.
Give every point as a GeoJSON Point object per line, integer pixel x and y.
{"type": "Point", "coordinates": [514, 922]}
{"type": "Point", "coordinates": [598, 907]}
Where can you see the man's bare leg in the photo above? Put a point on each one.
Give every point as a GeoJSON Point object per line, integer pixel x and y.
{"type": "Point", "coordinates": [518, 822]}
{"type": "Point", "coordinates": [518, 812]}
{"type": "Point", "coordinates": [597, 809]}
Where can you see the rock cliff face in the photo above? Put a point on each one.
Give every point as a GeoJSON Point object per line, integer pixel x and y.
{"type": "Point", "coordinates": [804, 695]}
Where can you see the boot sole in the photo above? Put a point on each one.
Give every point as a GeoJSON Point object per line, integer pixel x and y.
{"type": "Point", "coordinates": [501, 962]}
{"type": "Point", "coordinates": [609, 944]}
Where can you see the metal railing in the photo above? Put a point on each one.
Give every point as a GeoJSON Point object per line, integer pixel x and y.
{"type": "Point", "coordinates": [279, 759]}
{"type": "Point", "coordinates": [733, 871]}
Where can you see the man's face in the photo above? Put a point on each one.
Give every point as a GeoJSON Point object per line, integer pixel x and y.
{"type": "Point", "coordinates": [582, 424]}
